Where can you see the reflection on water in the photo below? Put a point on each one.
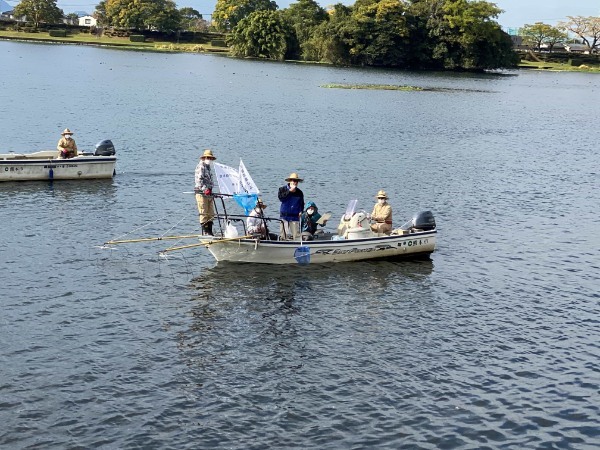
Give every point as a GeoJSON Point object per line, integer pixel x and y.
{"type": "Point", "coordinates": [283, 283]}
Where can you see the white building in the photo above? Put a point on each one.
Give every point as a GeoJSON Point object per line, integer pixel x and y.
{"type": "Point", "coordinates": [87, 21]}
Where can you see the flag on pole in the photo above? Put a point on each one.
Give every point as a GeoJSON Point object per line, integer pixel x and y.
{"type": "Point", "coordinates": [247, 184]}
{"type": "Point", "coordinates": [228, 178]}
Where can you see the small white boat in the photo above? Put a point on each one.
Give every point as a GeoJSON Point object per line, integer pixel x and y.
{"type": "Point", "coordinates": [353, 241]}
{"type": "Point", "coordinates": [45, 165]}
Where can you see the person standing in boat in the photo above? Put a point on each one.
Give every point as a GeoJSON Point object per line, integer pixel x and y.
{"type": "Point", "coordinates": [255, 223]}
{"type": "Point", "coordinates": [292, 205]}
{"type": "Point", "coordinates": [309, 221]}
{"type": "Point", "coordinates": [203, 187]}
{"type": "Point", "coordinates": [67, 148]}
{"type": "Point", "coordinates": [382, 215]}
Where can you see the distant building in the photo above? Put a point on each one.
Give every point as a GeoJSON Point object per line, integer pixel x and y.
{"type": "Point", "coordinates": [577, 48]}
{"type": "Point", "coordinates": [87, 21]}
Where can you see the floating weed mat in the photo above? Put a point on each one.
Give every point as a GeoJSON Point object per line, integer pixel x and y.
{"type": "Point", "coordinates": [383, 87]}
{"type": "Point", "coordinates": [394, 87]}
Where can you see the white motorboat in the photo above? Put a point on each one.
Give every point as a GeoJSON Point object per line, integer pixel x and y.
{"type": "Point", "coordinates": [353, 241]}
{"type": "Point", "coordinates": [46, 165]}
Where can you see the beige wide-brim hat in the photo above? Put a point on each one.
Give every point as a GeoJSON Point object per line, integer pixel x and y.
{"type": "Point", "coordinates": [382, 194]}
{"type": "Point", "coordinates": [294, 177]}
{"type": "Point", "coordinates": [208, 154]}
{"type": "Point", "coordinates": [67, 131]}
{"type": "Point", "coordinates": [260, 203]}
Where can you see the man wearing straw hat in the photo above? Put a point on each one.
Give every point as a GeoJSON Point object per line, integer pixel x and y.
{"type": "Point", "coordinates": [66, 145]}
{"type": "Point", "coordinates": [292, 205]}
{"type": "Point", "coordinates": [382, 215]}
{"type": "Point", "coordinates": [203, 188]}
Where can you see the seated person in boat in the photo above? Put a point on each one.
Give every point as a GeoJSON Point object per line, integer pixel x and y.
{"type": "Point", "coordinates": [381, 215]}
{"type": "Point", "coordinates": [309, 221]}
{"type": "Point", "coordinates": [255, 223]}
{"type": "Point", "coordinates": [292, 205]}
{"type": "Point", "coordinates": [67, 148]}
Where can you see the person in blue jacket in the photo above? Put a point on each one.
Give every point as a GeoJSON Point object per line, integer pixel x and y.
{"type": "Point", "coordinates": [292, 205]}
{"type": "Point", "coordinates": [309, 220]}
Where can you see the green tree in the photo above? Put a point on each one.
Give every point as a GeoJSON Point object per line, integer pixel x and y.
{"type": "Point", "coordinates": [261, 35]}
{"type": "Point", "coordinates": [587, 28]}
{"type": "Point", "coordinates": [302, 18]}
{"type": "Point", "coordinates": [228, 13]}
{"type": "Point", "coordinates": [331, 39]}
{"type": "Point", "coordinates": [380, 33]}
{"type": "Point", "coordinates": [38, 11]}
{"type": "Point", "coordinates": [100, 14]}
{"type": "Point", "coordinates": [142, 14]}
{"type": "Point", "coordinates": [460, 34]}
{"type": "Point", "coordinates": [540, 33]}
{"type": "Point", "coordinates": [72, 18]}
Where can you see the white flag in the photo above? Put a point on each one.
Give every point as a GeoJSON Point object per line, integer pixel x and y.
{"type": "Point", "coordinates": [228, 178]}
{"type": "Point", "coordinates": [247, 184]}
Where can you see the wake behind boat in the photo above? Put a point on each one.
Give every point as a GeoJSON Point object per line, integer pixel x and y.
{"type": "Point", "coordinates": [46, 165]}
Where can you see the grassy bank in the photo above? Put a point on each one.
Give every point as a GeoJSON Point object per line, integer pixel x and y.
{"type": "Point", "coordinates": [113, 41]}
{"type": "Point", "coordinates": [559, 67]}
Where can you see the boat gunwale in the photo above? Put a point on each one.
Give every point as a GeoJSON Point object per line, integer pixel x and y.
{"type": "Point", "coordinates": [330, 242]}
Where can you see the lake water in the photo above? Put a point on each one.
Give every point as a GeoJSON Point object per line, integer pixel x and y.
{"type": "Point", "coordinates": [493, 343]}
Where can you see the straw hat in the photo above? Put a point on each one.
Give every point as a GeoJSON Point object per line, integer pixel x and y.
{"type": "Point", "coordinates": [382, 194]}
{"type": "Point", "coordinates": [67, 131]}
{"type": "Point", "coordinates": [260, 203]}
{"type": "Point", "coordinates": [294, 177]}
{"type": "Point", "coordinates": [208, 154]}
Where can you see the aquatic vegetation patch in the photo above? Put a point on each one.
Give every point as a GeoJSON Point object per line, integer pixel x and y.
{"type": "Point", "coordinates": [393, 87]}
{"type": "Point", "coordinates": [381, 87]}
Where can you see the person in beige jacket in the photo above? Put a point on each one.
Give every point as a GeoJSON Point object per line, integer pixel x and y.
{"type": "Point", "coordinates": [382, 215]}
{"type": "Point", "coordinates": [67, 148]}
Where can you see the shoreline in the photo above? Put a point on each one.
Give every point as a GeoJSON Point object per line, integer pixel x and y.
{"type": "Point", "coordinates": [171, 47]}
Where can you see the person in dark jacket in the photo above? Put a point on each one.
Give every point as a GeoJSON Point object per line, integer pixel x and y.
{"type": "Point", "coordinates": [309, 221]}
{"type": "Point", "coordinates": [292, 205]}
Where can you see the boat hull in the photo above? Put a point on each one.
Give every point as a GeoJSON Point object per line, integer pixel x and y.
{"type": "Point", "coordinates": [325, 251]}
{"type": "Point", "coordinates": [80, 167]}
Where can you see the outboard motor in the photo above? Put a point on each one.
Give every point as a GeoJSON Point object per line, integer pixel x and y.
{"type": "Point", "coordinates": [105, 148]}
{"type": "Point", "coordinates": [422, 221]}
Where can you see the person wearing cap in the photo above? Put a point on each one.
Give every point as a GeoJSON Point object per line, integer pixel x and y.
{"type": "Point", "coordinates": [382, 215]}
{"type": "Point", "coordinates": [203, 187]}
{"type": "Point", "coordinates": [292, 205]}
{"type": "Point", "coordinates": [67, 148]}
{"type": "Point", "coordinates": [255, 223]}
{"type": "Point", "coordinates": [309, 220]}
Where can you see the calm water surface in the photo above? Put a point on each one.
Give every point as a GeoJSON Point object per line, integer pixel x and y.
{"type": "Point", "coordinates": [493, 343]}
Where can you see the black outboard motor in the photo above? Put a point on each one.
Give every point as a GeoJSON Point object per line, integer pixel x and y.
{"type": "Point", "coordinates": [422, 221]}
{"type": "Point", "coordinates": [105, 148]}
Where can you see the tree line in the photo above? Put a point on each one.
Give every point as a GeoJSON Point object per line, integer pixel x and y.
{"type": "Point", "coordinates": [585, 28]}
{"type": "Point", "coordinates": [416, 34]}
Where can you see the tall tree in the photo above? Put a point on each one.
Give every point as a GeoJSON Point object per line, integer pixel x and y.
{"type": "Point", "coordinates": [540, 33]}
{"type": "Point", "coordinates": [331, 40]}
{"type": "Point", "coordinates": [303, 17]}
{"type": "Point", "coordinates": [261, 35]}
{"type": "Point", "coordinates": [587, 28]}
{"type": "Point", "coordinates": [460, 34]}
{"type": "Point", "coordinates": [380, 33]}
{"type": "Point", "coordinates": [142, 14]}
{"type": "Point", "coordinates": [38, 11]}
{"type": "Point", "coordinates": [228, 13]}
{"type": "Point", "coordinates": [192, 20]}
